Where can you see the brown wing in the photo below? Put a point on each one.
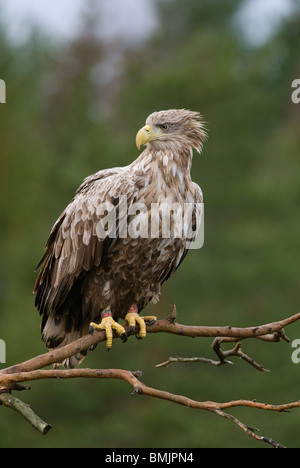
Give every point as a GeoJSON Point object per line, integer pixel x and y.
{"type": "Point", "coordinates": [74, 245]}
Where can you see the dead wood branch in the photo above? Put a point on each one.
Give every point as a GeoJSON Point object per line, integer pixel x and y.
{"type": "Point", "coordinates": [222, 355]}
{"type": "Point", "coordinates": [22, 408]}
{"type": "Point", "coordinates": [12, 377]}
{"type": "Point", "coordinates": [140, 388]}
{"type": "Point", "coordinates": [167, 325]}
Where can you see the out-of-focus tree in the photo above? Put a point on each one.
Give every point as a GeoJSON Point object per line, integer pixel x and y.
{"type": "Point", "coordinates": [64, 120]}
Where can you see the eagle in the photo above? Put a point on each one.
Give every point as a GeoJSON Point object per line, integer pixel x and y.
{"type": "Point", "coordinates": [94, 272]}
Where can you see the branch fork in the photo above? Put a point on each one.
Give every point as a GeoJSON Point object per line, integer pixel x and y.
{"type": "Point", "coordinates": [13, 377]}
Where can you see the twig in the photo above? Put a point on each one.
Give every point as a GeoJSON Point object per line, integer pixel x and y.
{"type": "Point", "coordinates": [249, 429]}
{"type": "Point", "coordinates": [236, 351]}
{"type": "Point", "coordinates": [223, 355]}
{"type": "Point", "coordinates": [202, 360]}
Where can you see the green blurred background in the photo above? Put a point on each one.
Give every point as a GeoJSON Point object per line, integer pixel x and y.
{"type": "Point", "coordinates": [63, 120]}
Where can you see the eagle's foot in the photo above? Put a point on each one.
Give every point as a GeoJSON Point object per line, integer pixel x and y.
{"type": "Point", "coordinates": [108, 324]}
{"type": "Point", "coordinates": [133, 319]}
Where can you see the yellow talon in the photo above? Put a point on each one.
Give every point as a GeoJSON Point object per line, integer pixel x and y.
{"type": "Point", "coordinates": [108, 324]}
{"type": "Point", "coordinates": [133, 318]}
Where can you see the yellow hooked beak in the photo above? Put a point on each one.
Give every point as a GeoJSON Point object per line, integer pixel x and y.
{"type": "Point", "coordinates": [147, 134]}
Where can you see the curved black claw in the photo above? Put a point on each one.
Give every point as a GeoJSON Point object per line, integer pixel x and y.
{"type": "Point", "coordinates": [138, 337]}
{"type": "Point", "coordinates": [91, 329]}
{"type": "Point", "coordinates": [130, 330]}
{"type": "Point", "coordinates": [151, 323]}
{"type": "Point", "coordinates": [124, 337]}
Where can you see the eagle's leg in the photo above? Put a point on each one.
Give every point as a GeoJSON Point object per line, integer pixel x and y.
{"type": "Point", "coordinates": [133, 318]}
{"type": "Point", "coordinates": [108, 324]}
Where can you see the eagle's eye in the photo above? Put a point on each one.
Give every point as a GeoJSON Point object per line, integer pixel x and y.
{"type": "Point", "coordinates": [164, 126]}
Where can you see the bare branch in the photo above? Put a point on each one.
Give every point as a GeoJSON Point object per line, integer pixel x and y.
{"type": "Point", "coordinates": [249, 429]}
{"type": "Point", "coordinates": [142, 389]}
{"type": "Point", "coordinates": [22, 408]}
{"type": "Point", "coordinates": [222, 355]}
{"type": "Point", "coordinates": [160, 326]}
{"type": "Point", "coordinates": [236, 351]}
{"type": "Point", "coordinates": [202, 360]}
{"type": "Point", "coordinates": [12, 377]}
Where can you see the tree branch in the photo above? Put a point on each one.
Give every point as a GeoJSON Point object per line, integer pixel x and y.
{"type": "Point", "coordinates": [11, 377]}
{"type": "Point", "coordinates": [222, 355]}
{"type": "Point", "coordinates": [160, 326]}
{"type": "Point", "coordinates": [140, 388]}
{"type": "Point", "coordinates": [22, 408]}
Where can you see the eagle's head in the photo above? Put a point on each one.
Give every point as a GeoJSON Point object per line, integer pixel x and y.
{"type": "Point", "coordinates": [175, 129]}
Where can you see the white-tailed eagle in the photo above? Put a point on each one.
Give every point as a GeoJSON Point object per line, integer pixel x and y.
{"type": "Point", "coordinates": [94, 271]}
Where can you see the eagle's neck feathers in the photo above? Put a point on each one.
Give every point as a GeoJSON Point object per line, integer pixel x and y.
{"type": "Point", "coordinates": [166, 168]}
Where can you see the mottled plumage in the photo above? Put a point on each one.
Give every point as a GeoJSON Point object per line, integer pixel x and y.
{"type": "Point", "coordinates": [84, 272]}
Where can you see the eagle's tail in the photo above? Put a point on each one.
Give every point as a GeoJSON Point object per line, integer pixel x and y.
{"type": "Point", "coordinates": [57, 332]}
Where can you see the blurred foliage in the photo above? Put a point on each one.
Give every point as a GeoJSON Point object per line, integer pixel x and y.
{"type": "Point", "coordinates": [64, 121]}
